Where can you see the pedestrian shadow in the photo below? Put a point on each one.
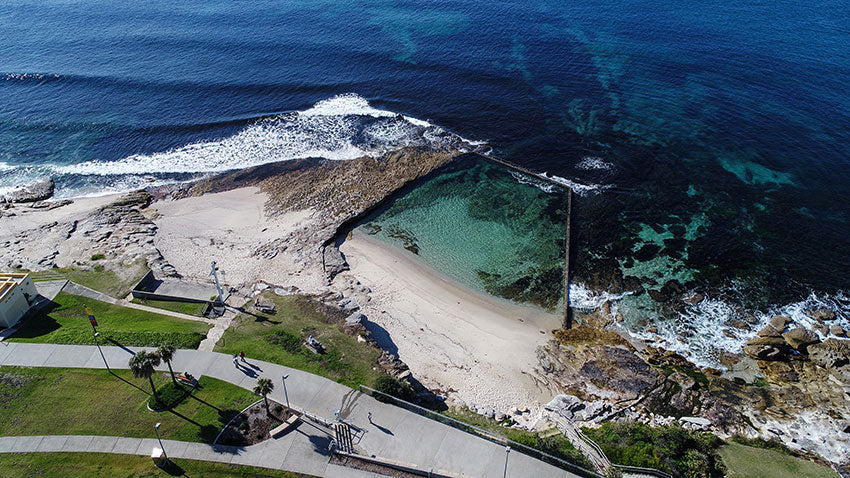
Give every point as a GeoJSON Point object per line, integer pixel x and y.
{"type": "Point", "coordinates": [247, 371]}
{"type": "Point", "coordinates": [383, 429]}
{"type": "Point", "coordinates": [253, 366]}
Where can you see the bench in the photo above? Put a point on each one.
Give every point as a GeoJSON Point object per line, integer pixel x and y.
{"type": "Point", "coordinates": [264, 307]}
{"type": "Point", "coordinates": [289, 423]}
{"type": "Point", "coordinates": [187, 379]}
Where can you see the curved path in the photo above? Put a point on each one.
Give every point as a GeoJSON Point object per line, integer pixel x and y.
{"type": "Point", "coordinates": [392, 433]}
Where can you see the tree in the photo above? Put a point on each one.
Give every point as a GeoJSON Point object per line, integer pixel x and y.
{"type": "Point", "coordinates": [143, 364]}
{"type": "Point", "coordinates": [264, 387]}
{"type": "Point", "coordinates": [166, 353]}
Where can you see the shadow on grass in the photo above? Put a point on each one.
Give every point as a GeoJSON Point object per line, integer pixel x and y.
{"type": "Point", "coordinates": [257, 317]}
{"type": "Point", "coordinates": [37, 323]}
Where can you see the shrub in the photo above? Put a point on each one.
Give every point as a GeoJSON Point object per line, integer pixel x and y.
{"type": "Point", "coordinates": [167, 396]}
{"type": "Point", "coordinates": [673, 449]}
{"type": "Point", "coordinates": [396, 388]}
{"type": "Point", "coordinates": [98, 257]}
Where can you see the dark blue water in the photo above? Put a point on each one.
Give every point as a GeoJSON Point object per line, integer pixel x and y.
{"type": "Point", "coordinates": [720, 128]}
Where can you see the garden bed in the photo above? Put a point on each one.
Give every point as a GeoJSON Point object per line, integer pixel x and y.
{"type": "Point", "coordinates": [253, 425]}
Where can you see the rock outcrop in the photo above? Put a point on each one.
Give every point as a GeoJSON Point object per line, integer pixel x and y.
{"type": "Point", "coordinates": [37, 191]}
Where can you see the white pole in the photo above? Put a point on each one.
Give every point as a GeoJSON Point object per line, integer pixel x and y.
{"type": "Point", "coordinates": [214, 273]}
{"type": "Point", "coordinates": [283, 379]}
{"type": "Point", "coordinates": [156, 429]}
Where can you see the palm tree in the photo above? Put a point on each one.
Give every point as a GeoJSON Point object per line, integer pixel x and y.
{"type": "Point", "coordinates": [166, 353]}
{"type": "Point", "coordinates": [143, 365]}
{"type": "Point", "coordinates": [264, 387]}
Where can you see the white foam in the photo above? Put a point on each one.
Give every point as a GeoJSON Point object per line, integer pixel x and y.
{"type": "Point", "coordinates": [594, 162]}
{"type": "Point", "coordinates": [333, 129]}
{"type": "Point", "coordinates": [582, 297]}
{"type": "Point", "coordinates": [578, 188]}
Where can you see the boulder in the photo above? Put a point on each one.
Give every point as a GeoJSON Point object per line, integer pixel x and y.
{"type": "Point", "coordinates": [333, 262]}
{"type": "Point", "coordinates": [769, 331]}
{"type": "Point", "coordinates": [780, 322]}
{"type": "Point", "coordinates": [699, 421]}
{"type": "Point", "coordinates": [657, 295]}
{"type": "Point", "coordinates": [831, 353]}
{"type": "Point", "coordinates": [682, 380]}
{"type": "Point", "coordinates": [565, 405]}
{"type": "Point", "coordinates": [822, 314]}
{"type": "Point", "coordinates": [821, 329]}
{"type": "Point", "coordinates": [37, 191]}
{"type": "Point", "coordinates": [837, 331]}
{"type": "Point", "coordinates": [800, 338]}
{"type": "Point", "coordinates": [767, 348]}
{"type": "Point", "coordinates": [354, 323]}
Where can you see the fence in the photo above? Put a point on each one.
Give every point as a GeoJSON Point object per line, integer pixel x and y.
{"type": "Point", "coordinates": [487, 435]}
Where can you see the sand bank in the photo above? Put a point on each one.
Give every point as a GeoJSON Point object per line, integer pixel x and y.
{"type": "Point", "coordinates": [453, 337]}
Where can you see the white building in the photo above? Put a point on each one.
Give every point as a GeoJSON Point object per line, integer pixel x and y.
{"type": "Point", "coordinates": [17, 293]}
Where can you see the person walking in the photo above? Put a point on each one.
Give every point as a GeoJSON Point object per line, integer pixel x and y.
{"type": "Point", "coordinates": [242, 356]}
{"type": "Point", "coordinates": [370, 417]}
{"type": "Point", "coordinates": [236, 360]}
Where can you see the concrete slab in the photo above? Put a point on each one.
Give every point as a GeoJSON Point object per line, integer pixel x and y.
{"type": "Point", "coordinates": [175, 448]}
{"type": "Point", "coordinates": [179, 288]}
{"type": "Point", "coordinates": [146, 445]}
{"type": "Point", "coordinates": [477, 454]}
{"type": "Point", "coordinates": [102, 444]}
{"type": "Point", "coordinates": [250, 455]}
{"type": "Point", "coordinates": [6, 444]}
{"type": "Point", "coordinates": [209, 453]}
{"type": "Point", "coordinates": [6, 350]}
{"type": "Point", "coordinates": [52, 443]}
{"type": "Point", "coordinates": [73, 357]}
{"type": "Point", "coordinates": [306, 455]}
{"type": "Point", "coordinates": [127, 446]}
{"type": "Point", "coordinates": [77, 443]}
{"type": "Point", "coordinates": [35, 355]}
{"type": "Point", "coordinates": [194, 362]}
{"type": "Point", "coordinates": [27, 443]}
{"type": "Point", "coordinates": [49, 289]}
{"type": "Point", "coordinates": [412, 440]}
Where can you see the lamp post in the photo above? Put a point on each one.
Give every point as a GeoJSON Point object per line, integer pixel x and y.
{"type": "Point", "coordinates": [96, 335]}
{"type": "Point", "coordinates": [156, 429]}
{"type": "Point", "coordinates": [283, 379]}
{"type": "Point", "coordinates": [507, 452]}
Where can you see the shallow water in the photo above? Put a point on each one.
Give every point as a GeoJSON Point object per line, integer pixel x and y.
{"type": "Point", "coordinates": [708, 140]}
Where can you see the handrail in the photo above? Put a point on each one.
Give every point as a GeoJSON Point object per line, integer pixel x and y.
{"type": "Point", "coordinates": [644, 471]}
{"type": "Point", "coordinates": [592, 444]}
{"type": "Point", "coordinates": [494, 437]}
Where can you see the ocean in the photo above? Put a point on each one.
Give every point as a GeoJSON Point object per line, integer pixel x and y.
{"type": "Point", "coordinates": [707, 141]}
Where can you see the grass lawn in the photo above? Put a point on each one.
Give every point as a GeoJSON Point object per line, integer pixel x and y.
{"type": "Point", "coordinates": [750, 462]}
{"type": "Point", "coordinates": [106, 281]}
{"type": "Point", "coordinates": [85, 465]}
{"type": "Point", "coordinates": [188, 308]}
{"type": "Point", "coordinates": [66, 322]}
{"type": "Point", "coordinates": [53, 401]}
{"type": "Point", "coordinates": [279, 339]}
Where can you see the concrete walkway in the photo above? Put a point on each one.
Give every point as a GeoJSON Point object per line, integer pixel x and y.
{"type": "Point", "coordinates": [293, 452]}
{"type": "Point", "coordinates": [392, 433]}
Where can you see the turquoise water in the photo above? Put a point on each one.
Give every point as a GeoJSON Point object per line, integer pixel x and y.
{"type": "Point", "coordinates": [475, 222]}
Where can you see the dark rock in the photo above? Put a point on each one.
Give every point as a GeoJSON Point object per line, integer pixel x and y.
{"type": "Point", "coordinates": [822, 314]}
{"type": "Point", "coordinates": [657, 295]}
{"type": "Point", "coordinates": [837, 331]}
{"type": "Point", "coordinates": [333, 261]}
{"type": "Point", "coordinates": [769, 331]}
{"type": "Point", "coordinates": [694, 298]}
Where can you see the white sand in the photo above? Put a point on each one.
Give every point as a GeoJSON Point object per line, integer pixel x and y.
{"type": "Point", "coordinates": [479, 347]}
{"type": "Point", "coordinates": [229, 227]}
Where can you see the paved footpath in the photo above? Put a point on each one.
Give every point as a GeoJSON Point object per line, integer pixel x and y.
{"type": "Point", "coordinates": [393, 433]}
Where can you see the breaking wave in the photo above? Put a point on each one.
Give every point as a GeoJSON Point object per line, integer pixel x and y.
{"type": "Point", "coordinates": [594, 163]}
{"type": "Point", "coordinates": [343, 127]}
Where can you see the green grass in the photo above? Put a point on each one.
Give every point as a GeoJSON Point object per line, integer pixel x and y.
{"type": "Point", "coordinates": [107, 281]}
{"type": "Point", "coordinates": [52, 401]}
{"type": "Point", "coordinates": [748, 462]}
{"type": "Point", "coordinates": [278, 338]}
{"type": "Point", "coordinates": [66, 322]}
{"type": "Point", "coordinates": [189, 308]}
{"type": "Point", "coordinates": [85, 465]}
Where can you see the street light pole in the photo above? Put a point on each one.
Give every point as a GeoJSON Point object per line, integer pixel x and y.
{"type": "Point", "coordinates": [507, 451]}
{"type": "Point", "coordinates": [96, 335]}
{"type": "Point", "coordinates": [283, 379]}
{"type": "Point", "coordinates": [156, 429]}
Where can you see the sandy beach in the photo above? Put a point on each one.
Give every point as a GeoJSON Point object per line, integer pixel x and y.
{"type": "Point", "coordinates": [479, 348]}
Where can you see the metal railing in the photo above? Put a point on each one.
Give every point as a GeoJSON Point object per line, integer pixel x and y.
{"type": "Point", "coordinates": [486, 434]}
{"type": "Point", "coordinates": [642, 471]}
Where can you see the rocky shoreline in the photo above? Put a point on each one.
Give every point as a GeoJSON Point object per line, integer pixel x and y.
{"type": "Point", "coordinates": [802, 400]}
